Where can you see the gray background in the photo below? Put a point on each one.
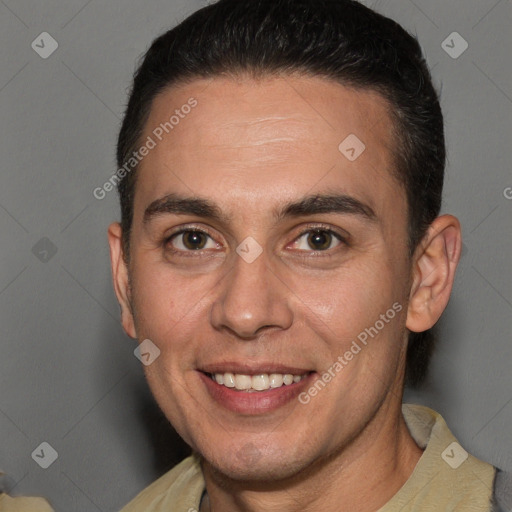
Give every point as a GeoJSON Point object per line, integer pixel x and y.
{"type": "Point", "coordinates": [68, 375]}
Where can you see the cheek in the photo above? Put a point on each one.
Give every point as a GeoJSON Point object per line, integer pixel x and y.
{"type": "Point", "coordinates": [359, 312]}
{"type": "Point", "coordinates": [166, 303]}
{"type": "Point", "coordinates": [350, 298]}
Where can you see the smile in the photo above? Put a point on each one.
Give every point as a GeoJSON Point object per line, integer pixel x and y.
{"type": "Point", "coordinates": [251, 383]}
{"type": "Point", "coordinates": [251, 391]}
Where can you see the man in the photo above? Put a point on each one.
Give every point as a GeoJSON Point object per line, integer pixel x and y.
{"type": "Point", "coordinates": [281, 260]}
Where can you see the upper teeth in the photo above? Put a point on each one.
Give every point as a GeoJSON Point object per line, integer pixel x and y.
{"type": "Point", "coordinates": [259, 382]}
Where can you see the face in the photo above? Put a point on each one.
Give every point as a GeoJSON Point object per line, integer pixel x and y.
{"type": "Point", "coordinates": [238, 274]}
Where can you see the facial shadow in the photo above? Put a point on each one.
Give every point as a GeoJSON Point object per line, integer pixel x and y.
{"type": "Point", "coordinates": [168, 447]}
{"type": "Point", "coordinates": [149, 423]}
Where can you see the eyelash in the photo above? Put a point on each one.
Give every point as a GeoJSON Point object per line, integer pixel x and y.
{"type": "Point", "coordinates": [311, 229]}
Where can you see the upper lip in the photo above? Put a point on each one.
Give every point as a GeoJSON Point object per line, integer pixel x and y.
{"type": "Point", "coordinates": [253, 368]}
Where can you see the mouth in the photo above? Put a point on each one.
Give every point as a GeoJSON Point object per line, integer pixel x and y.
{"type": "Point", "coordinates": [250, 391]}
{"type": "Point", "coordinates": [255, 383]}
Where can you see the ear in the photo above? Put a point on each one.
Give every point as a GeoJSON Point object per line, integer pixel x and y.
{"type": "Point", "coordinates": [120, 278]}
{"type": "Point", "coordinates": [434, 263]}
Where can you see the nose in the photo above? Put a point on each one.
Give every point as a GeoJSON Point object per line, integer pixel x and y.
{"type": "Point", "coordinates": [251, 298]}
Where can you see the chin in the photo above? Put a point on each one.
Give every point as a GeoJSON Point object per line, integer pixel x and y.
{"type": "Point", "coordinates": [249, 462]}
{"type": "Point", "coordinates": [260, 472]}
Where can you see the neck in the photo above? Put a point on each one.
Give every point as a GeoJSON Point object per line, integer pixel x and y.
{"type": "Point", "coordinates": [363, 476]}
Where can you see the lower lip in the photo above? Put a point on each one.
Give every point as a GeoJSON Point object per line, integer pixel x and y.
{"type": "Point", "coordinates": [257, 402]}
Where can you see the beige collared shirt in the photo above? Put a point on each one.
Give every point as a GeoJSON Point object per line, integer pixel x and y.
{"type": "Point", "coordinates": [8, 504]}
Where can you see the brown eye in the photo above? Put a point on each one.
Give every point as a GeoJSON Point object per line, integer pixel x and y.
{"type": "Point", "coordinates": [191, 240]}
{"type": "Point", "coordinates": [320, 240]}
{"type": "Point", "coordinates": [194, 240]}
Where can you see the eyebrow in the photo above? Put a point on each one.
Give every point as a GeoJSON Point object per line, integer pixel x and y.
{"type": "Point", "coordinates": [180, 205]}
{"type": "Point", "coordinates": [308, 205]}
{"type": "Point", "coordinates": [327, 203]}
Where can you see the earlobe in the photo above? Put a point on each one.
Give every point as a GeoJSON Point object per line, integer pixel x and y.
{"type": "Point", "coordinates": [120, 278]}
{"type": "Point", "coordinates": [435, 263]}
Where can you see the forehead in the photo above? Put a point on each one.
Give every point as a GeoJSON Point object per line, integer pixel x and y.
{"type": "Point", "coordinates": [275, 137]}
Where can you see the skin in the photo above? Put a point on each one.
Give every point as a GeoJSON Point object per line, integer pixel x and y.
{"type": "Point", "coordinates": [251, 146]}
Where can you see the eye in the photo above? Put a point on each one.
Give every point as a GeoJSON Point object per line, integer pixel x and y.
{"type": "Point", "coordinates": [191, 240]}
{"type": "Point", "coordinates": [318, 239]}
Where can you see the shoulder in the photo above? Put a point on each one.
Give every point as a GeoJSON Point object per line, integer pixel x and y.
{"type": "Point", "coordinates": [446, 477]}
{"type": "Point", "coordinates": [8, 504]}
{"type": "Point", "coordinates": [179, 489]}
